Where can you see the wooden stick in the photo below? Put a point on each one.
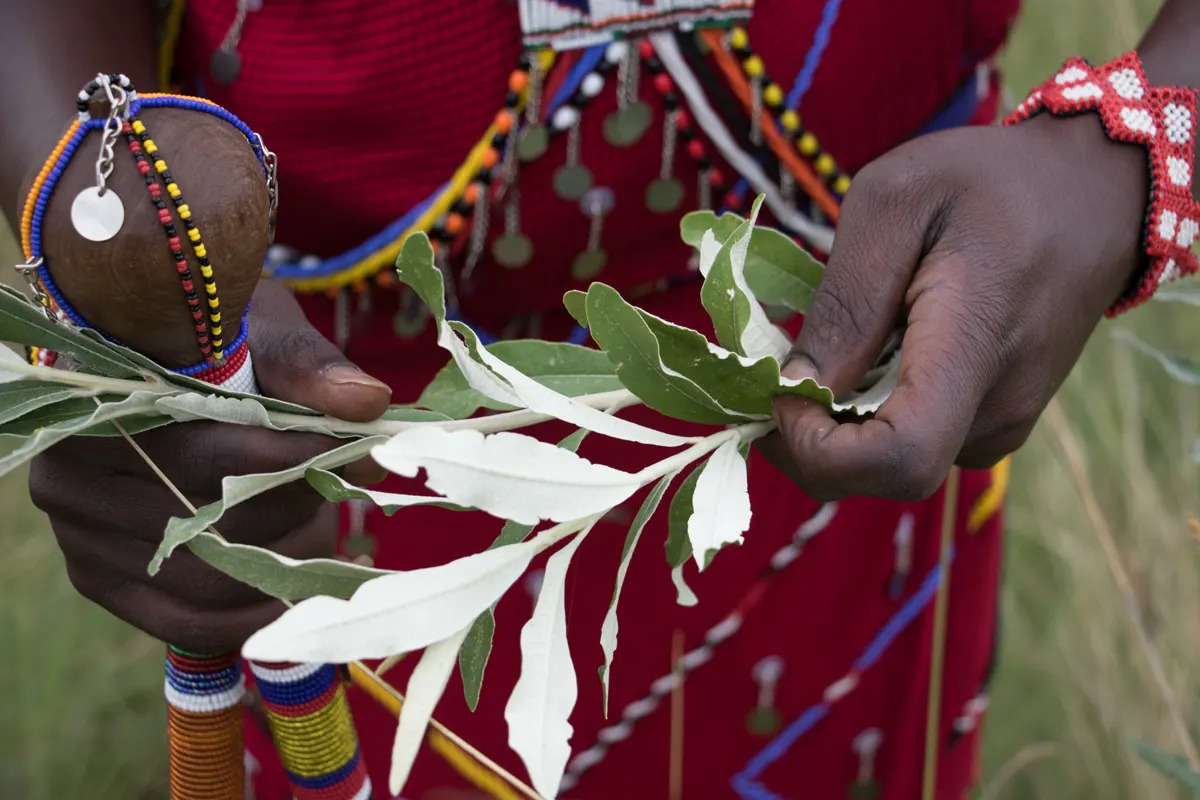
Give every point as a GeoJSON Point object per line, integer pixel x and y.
{"type": "Point", "coordinates": [676, 762]}
{"type": "Point", "coordinates": [937, 659]}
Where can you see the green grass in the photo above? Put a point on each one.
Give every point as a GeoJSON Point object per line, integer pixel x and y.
{"type": "Point", "coordinates": [82, 712]}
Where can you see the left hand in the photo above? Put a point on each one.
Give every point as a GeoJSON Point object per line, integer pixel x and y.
{"type": "Point", "coordinates": [1000, 249]}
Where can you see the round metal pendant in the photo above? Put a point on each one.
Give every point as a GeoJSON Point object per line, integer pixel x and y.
{"type": "Point", "coordinates": [533, 142]}
{"type": "Point", "coordinates": [97, 217]}
{"type": "Point", "coordinates": [588, 264]}
{"type": "Point", "coordinates": [864, 791]}
{"type": "Point", "coordinates": [763, 721]}
{"type": "Point", "coordinates": [512, 250]}
{"type": "Point", "coordinates": [624, 127]}
{"type": "Point", "coordinates": [409, 321]}
{"type": "Point", "coordinates": [225, 66]}
{"type": "Point", "coordinates": [664, 195]}
{"type": "Point", "coordinates": [570, 182]}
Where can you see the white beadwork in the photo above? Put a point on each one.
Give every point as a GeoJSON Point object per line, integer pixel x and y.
{"type": "Point", "coordinates": [282, 675]}
{"type": "Point", "coordinates": [205, 703]}
{"type": "Point", "coordinates": [1170, 272]}
{"type": "Point", "coordinates": [592, 83]}
{"type": "Point", "coordinates": [1083, 91]}
{"type": "Point", "coordinates": [1166, 224]}
{"type": "Point", "coordinates": [1179, 171]}
{"type": "Point", "coordinates": [1179, 123]}
{"type": "Point", "coordinates": [616, 51]}
{"type": "Point", "coordinates": [1188, 230]}
{"type": "Point", "coordinates": [840, 688]}
{"type": "Point", "coordinates": [242, 380]}
{"type": "Point", "coordinates": [1127, 84]}
{"type": "Point", "coordinates": [1138, 119]}
{"type": "Point", "coordinates": [564, 117]}
{"type": "Point", "coordinates": [1070, 75]}
{"type": "Point", "coordinates": [365, 792]}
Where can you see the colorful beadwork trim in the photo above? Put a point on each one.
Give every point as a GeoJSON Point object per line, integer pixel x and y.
{"type": "Point", "coordinates": [314, 734]}
{"type": "Point", "coordinates": [571, 24]}
{"type": "Point", "coordinates": [1161, 119]}
{"type": "Point", "coordinates": [204, 725]}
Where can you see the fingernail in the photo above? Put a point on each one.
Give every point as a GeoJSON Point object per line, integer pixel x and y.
{"type": "Point", "coordinates": [350, 375]}
{"type": "Point", "coordinates": [798, 369]}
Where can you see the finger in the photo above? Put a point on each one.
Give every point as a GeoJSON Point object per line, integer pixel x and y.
{"type": "Point", "coordinates": [880, 239]}
{"type": "Point", "coordinates": [294, 362]}
{"type": "Point", "coordinates": [906, 449]}
{"type": "Point", "coordinates": [170, 619]}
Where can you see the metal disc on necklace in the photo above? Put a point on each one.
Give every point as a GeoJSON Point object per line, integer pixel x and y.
{"type": "Point", "coordinates": [625, 126]}
{"type": "Point", "coordinates": [225, 66]}
{"type": "Point", "coordinates": [588, 264]}
{"type": "Point", "coordinates": [533, 142]}
{"type": "Point", "coordinates": [409, 320]}
{"type": "Point", "coordinates": [97, 217]}
{"type": "Point", "coordinates": [664, 195]}
{"type": "Point", "coordinates": [571, 181]}
{"type": "Point", "coordinates": [763, 721]}
{"type": "Point", "coordinates": [512, 250]}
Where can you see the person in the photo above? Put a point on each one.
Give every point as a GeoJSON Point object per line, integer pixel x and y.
{"type": "Point", "coordinates": [808, 655]}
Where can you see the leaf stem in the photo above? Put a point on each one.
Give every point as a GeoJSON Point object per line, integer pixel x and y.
{"type": "Point", "coordinates": [745, 433]}
{"type": "Point", "coordinates": [98, 383]}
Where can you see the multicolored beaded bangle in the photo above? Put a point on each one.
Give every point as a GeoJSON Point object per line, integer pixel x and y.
{"type": "Point", "coordinates": [1160, 119]}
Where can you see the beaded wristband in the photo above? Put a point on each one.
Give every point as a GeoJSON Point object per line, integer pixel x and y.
{"type": "Point", "coordinates": [1161, 119]}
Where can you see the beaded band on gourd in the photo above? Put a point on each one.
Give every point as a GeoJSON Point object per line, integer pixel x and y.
{"type": "Point", "coordinates": [1161, 119]}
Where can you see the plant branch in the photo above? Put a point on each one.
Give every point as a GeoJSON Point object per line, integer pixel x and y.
{"type": "Point", "coordinates": [97, 383]}
{"type": "Point", "coordinates": [933, 712]}
{"type": "Point", "coordinates": [745, 433]}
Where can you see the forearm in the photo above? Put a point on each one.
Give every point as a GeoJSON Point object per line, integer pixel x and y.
{"type": "Point", "coordinates": [1170, 50]}
{"type": "Point", "coordinates": [48, 50]}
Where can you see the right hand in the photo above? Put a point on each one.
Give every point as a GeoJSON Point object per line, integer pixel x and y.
{"type": "Point", "coordinates": [108, 510]}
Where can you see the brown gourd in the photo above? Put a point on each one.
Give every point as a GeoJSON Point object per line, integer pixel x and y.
{"type": "Point", "coordinates": [128, 286]}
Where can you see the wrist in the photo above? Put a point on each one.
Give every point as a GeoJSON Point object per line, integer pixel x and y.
{"type": "Point", "coordinates": [1162, 122]}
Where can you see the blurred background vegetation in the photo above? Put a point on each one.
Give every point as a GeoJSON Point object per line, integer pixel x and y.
{"type": "Point", "coordinates": [81, 693]}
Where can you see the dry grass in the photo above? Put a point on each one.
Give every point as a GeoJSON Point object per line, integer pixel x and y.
{"type": "Point", "coordinates": [82, 713]}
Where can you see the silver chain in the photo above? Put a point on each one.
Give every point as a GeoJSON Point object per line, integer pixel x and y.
{"type": "Point", "coordinates": [118, 110]}
{"type": "Point", "coordinates": [670, 134]}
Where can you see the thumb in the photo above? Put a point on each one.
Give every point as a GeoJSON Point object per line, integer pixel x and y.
{"type": "Point", "coordinates": [879, 242]}
{"type": "Point", "coordinates": [294, 362]}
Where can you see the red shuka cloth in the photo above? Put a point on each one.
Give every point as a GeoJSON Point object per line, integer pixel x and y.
{"type": "Point", "coordinates": [372, 104]}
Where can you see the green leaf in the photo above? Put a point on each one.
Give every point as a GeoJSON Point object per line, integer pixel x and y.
{"type": "Point", "coordinates": [280, 576]}
{"type": "Point", "coordinates": [245, 410]}
{"type": "Point", "coordinates": [414, 266]}
{"type": "Point", "coordinates": [740, 323]}
{"type": "Point", "coordinates": [1173, 766]}
{"type": "Point", "coordinates": [694, 224]}
{"type": "Point", "coordinates": [237, 489]}
{"type": "Point", "coordinates": [22, 321]}
{"type": "Point", "coordinates": [404, 413]}
{"type": "Point", "coordinates": [22, 397]}
{"type": "Point", "coordinates": [135, 404]}
{"type": "Point", "coordinates": [778, 271]}
{"type": "Point", "coordinates": [67, 409]}
{"type": "Point", "coordinates": [474, 655]}
{"type": "Point", "coordinates": [334, 488]}
{"type": "Point", "coordinates": [576, 303]}
{"type": "Point", "coordinates": [566, 368]}
{"type": "Point", "coordinates": [1181, 368]}
{"type": "Point", "coordinates": [477, 647]}
{"type": "Point", "coordinates": [629, 343]}
{"type": "Point", "coordinates": [609, 628]}
{"type": "Point", "coordinates": [679, 547]}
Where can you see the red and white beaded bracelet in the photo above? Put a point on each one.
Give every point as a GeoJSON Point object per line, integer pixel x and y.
{"type": "Point", "coordinates": [1160, 118]}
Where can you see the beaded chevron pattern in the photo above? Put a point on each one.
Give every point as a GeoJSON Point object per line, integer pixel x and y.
{"type": "Point", "coordinates": [1161, 119]}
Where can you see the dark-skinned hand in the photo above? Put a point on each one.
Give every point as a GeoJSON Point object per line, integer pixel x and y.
{"type": "Point", "coordinates": [108, 510]}
{"type": "Point", "coordinates": [999, 249]}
